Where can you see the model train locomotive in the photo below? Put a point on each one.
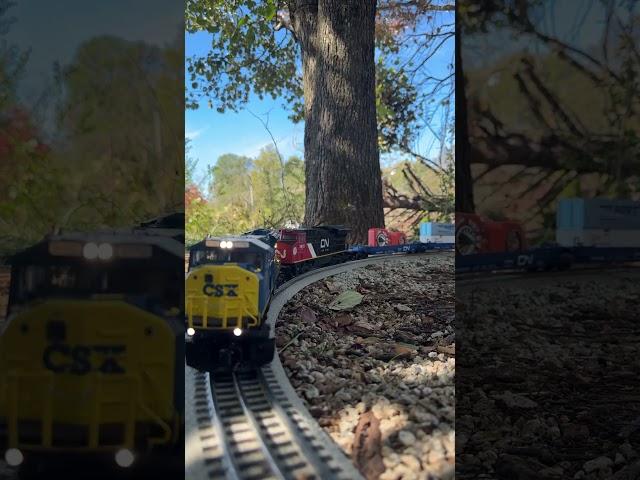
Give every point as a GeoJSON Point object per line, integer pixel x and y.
{"type": "Point", "coordinates": [91, 352]}
{"type": "Point", "coordinates": [231, 280]}
{"type": "Point", "coordinates": [229, 284]}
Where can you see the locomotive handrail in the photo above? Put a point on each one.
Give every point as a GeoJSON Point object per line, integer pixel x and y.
{"type": "Point", "coordinates": [224, 323]}
{"type": "Point", "coordinates": [93, 442]}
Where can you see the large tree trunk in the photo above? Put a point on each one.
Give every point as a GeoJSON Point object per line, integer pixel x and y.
{"type": "Point", "coordinates": [342, 162]}
{"type": "Point", "coordinates": [464, 182]}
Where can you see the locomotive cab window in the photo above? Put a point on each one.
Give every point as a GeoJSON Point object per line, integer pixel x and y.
{"type": "Point", "coordinates": [75, 280]}
{"type": "Point", "coordinates": [220, 255]}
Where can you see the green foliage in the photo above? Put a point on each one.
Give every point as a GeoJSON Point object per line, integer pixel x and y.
{"type": "Point", "coordinates": [247, 54]}
{"type": "Point", "coordinates": [246, 193]}
{"type": "Point", "coordinates": [397, 109]}
{"type": "Point", "coordinates": [245, 50]}
{"type": "Point", "coordinates": [105, 167]}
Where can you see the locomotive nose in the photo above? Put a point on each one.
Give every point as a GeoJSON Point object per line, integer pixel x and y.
{"type": "Point", "coordinates": [223, 297]}
{"type": "Point", "coordinates": [74, 358]}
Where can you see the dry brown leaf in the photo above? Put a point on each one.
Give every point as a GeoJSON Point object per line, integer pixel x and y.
{"type": "Point", "coordinates": [405, 349]}
{"type": "Point", "coordinates": [362, 328]}
{"type": "Point", "coordinates": [331, 287]}
{"type": "Point", "coordinates": [343, 319]}
{"type": "Point", "coordinates": [367, 447]}
{"type": "Point", "coordinates": [450, 350]}
{"type": "Point", "coordinates": [307, 315]}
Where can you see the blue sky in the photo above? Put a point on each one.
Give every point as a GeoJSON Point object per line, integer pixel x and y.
{"type": "Point", "coordinates": [213, 134]}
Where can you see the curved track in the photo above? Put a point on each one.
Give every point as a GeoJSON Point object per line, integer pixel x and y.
{"type": "Point", "coordinates": [477, 279]}
{"type": "Point", "coordinates": [252, 425]}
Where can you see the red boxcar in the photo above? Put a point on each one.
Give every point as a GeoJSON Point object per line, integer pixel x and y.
{"type": "Point", "coordinates": [380, 237]}
{"type": "Point", "coordinates": [477, 234]}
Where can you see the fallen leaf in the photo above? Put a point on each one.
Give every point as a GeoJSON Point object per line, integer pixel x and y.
{"type": "Point", "coordinates": [343, 319]}
{"type": "Point", "coordinates": [367, 447]}
{"type": "Point", "coordinates": [402, 308]}
{"type": "Point", "coordinates": [362, 328]}
{"type": "Point", "coordinates": [451, 350]}
{"type": "Point", "coordinates": [307, 315]}
{"type": "Point", "coordinates": [405, 348]}
{"type": "Point", "coordinates": [346, 300]}
{"type": "Point", "coordinates": [331, 287]}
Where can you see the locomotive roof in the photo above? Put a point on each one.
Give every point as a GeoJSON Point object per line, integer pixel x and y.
{"type": "Point", "coordinates": [258, 241]}
{"type": "Point", "coordinates": [334, 228]}
{"type": "Point", "coordinates": [132, 236]}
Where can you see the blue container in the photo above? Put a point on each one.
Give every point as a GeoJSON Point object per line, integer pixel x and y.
{"type": "Point", "coordinates": [432, 229]}
{"type": "Point", "coordinates": [597, 213]}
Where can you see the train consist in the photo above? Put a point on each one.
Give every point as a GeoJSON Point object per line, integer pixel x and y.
{"type": "Point", "coordinates": [91, 352]}
{"type": "Point", "coordinates": [588, 232]}
{"type": "Point", "coordinates": [230, 282]}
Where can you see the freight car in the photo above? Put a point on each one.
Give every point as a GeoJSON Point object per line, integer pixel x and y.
{"type": "Point", "coordinates": [598, 222]}
{"type": "Point", "coordinates": [588, 232]}
{"type": "Point", "coordinates": [475, 234]}
{"type": "Point", "coordinates": [91, 353]}
{"type": "Point", "coordinates": [229, 285]}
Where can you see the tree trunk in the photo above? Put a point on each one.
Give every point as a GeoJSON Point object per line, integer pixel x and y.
{"type": "Point", "coordinates": [464, 181]}
{"type": "Point", "coordinates": [342, 161]}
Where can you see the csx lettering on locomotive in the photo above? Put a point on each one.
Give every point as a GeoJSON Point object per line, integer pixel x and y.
{"type": "Point", "coordinates": [212, 290]}
{"type": "Point", "coordinates": [76, 359]}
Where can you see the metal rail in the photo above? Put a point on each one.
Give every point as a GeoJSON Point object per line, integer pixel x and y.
{"type": "Point", "coordinates": [252, 424]}
{"type": "Point", "coordinates": [465, 280]}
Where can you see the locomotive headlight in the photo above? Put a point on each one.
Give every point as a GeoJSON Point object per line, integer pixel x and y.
{"type": "Point", "coordinates": [237, 331]}
{"type": "Point", "coordinates": [90, 251]}
{"type": "Point", "coordinates": [223, 244]}
{"type": "Point", "coordinates": [124, 458]}
{"type": "Point", "coordinates": [191, 331]}
{"type": "Point", "coordinates": [105, 251]}
{"type": "Point", "coordinates": [229, 244]}
{"type": "Point", "coordinates": [13, 457]}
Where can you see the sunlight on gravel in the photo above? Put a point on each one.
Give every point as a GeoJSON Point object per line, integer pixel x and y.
{"type": "Point", "coordinates": [379, 377]}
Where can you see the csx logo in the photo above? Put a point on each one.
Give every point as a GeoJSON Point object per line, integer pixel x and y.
{"type": "Point", "coordinates": [324, 243]}
{"type": "Point", "coordinates": [76, 359]}
{"type": "Point", "coordinates": [212, 290]}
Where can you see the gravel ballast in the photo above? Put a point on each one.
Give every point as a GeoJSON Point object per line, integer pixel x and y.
{"type": "Point", "coordinates": [379, 376]}
{"type": "Point", "coordinates": [547, 381]}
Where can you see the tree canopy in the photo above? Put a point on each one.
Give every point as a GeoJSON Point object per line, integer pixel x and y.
{"type": "Point", "coordinates": [245, 193]}
{"type": "Point", "coordinates": [110, 156]}
{"type": "Point", "coordinates": [255, 50]}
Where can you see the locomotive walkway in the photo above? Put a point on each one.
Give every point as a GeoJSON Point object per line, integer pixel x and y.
{"type": "Point", "coordinates": [252, 425]}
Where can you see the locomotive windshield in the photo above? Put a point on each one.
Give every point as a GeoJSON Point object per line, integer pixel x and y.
{"type": "Point", "coordinates": [30, 282]}
{"type": "Point", "coordinates": [220, 255]}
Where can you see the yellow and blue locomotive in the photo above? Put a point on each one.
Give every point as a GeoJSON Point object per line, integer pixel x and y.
{"type": "Point", "coordinates": [229, 285]}
{"type": "Point", "coordinates": [91, 354]}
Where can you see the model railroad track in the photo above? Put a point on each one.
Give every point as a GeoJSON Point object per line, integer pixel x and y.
{"type": "Point", "coordinates": [503, 277]}
{"type": "Point", "coordinates": [250, 424]}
